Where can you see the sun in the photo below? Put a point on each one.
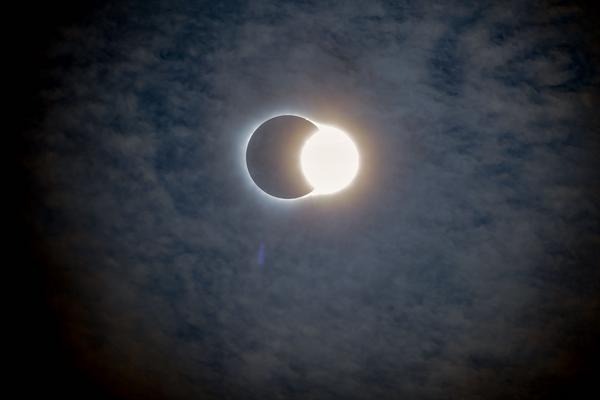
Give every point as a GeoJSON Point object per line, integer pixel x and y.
{"type": "Point", "coordinates": [329, 160]}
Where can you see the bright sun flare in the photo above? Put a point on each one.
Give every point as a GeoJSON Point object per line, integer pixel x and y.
{"type": "Point", "coordinates": [329, 160]}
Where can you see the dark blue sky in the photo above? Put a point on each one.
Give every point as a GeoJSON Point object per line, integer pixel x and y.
{"type": "Point", "coordinates": [463, 263]}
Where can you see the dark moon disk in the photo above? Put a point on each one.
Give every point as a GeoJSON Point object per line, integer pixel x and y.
{"type": "Point", "coordinates": [273, 156]}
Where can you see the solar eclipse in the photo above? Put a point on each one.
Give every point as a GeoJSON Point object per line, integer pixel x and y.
{"type": "Point", "coordinates": [290, 157]}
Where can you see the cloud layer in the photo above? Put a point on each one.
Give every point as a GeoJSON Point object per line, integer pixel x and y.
{"type": "Point", "coordinates": [462, 264]}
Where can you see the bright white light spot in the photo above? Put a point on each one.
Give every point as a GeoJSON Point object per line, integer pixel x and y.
{"type": "Point", "coordinates": [329, 160]}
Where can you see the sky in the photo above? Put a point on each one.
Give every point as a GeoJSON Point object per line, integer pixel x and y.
{"type": "Point", "coordinates": [463, 262]}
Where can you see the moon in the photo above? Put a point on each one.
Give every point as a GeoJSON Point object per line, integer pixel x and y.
{"type": "Point", "coordinates": [289, 157]}
{"type": "Point", "coordinates": [273, 156]}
